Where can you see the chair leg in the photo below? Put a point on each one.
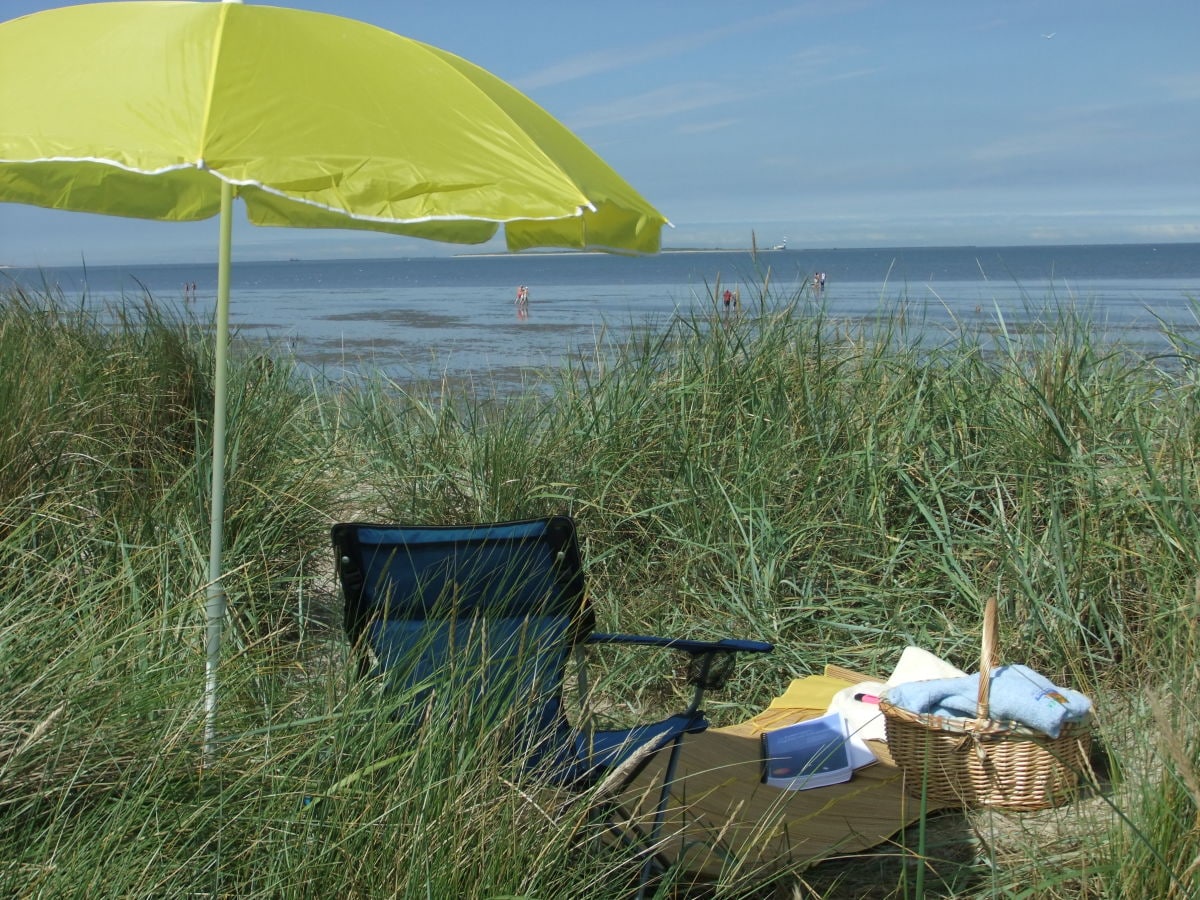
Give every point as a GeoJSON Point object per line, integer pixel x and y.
{"type": "Point", "coordinates": [660, 814]}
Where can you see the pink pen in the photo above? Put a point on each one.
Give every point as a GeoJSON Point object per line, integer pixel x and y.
{"type": "Point", "coordinates": [866, 698]}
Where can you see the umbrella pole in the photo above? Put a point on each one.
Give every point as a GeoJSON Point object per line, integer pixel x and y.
{"type": "Point", "coordinates": [215, 606]}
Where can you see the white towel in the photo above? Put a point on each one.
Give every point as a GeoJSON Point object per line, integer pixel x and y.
{"type": "Point", "coordinates": [921, 665]}
{"type": "Point", "coordinates": [863, 719]}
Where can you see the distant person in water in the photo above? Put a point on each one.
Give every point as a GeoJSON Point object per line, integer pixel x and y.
{"type": "Point", "coordinates": [728, 298]}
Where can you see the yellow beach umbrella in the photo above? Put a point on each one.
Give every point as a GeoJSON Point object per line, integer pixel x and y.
{"type": "Point", "coordinates": [170, 110]}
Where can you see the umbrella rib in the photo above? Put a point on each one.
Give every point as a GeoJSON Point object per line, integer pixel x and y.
{"type": "Point", "coordinates": [547, 159]}
{"type": "Point", "coordinates": [210, 90]}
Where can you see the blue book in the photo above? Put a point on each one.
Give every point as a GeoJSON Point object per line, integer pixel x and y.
{"type": "Point", "coordinates": [808, 754]}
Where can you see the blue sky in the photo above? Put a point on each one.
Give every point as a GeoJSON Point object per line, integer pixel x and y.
{"type": "Point", "coordinates": [840, 123]}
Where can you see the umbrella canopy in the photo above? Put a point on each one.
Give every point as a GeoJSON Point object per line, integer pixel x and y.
{"type": "Point", "coordinates": [167, 110]}
{"type": "Point", "coordinates": [318, 121]}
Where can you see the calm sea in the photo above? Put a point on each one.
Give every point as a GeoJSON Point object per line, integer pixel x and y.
{"type": "Point", "coordinates": [455, 316]}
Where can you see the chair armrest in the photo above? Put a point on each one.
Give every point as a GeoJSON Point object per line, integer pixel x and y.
{"type": "Point", "coordinates": [711, 661]}
{"type": "Point", "coordinates": [684, 645]}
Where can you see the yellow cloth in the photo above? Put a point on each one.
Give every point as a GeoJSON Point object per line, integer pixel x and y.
{"type": "Point", "coordinates": [811, 692]}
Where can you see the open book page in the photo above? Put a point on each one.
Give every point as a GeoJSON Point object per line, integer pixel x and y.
{"type": "Point", "coordinates": [812, 754]}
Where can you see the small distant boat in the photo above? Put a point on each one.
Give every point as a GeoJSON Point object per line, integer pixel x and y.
{"type": "Point", "coordinates": [782, 245]}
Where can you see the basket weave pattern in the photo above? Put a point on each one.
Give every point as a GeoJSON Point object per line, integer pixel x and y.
{"type": "Point", "coordinates": [981, 761]}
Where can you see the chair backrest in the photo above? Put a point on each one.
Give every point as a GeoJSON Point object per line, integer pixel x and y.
{"type": "Point", "coordinates": [498, 604]}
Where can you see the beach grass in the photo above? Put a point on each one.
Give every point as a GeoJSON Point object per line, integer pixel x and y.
{"type": "Point", "coordinates": [841, 489]}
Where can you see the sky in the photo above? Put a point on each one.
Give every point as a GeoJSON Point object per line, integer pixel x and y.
{"type": "Point", "coordinates": [838, 123]}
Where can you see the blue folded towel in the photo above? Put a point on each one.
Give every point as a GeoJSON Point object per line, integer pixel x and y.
{"type": "Point", "coordinates": [1018, 694]}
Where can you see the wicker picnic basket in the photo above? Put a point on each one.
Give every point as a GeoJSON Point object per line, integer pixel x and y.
{"type": "Point", "coordinates": [981, 761]}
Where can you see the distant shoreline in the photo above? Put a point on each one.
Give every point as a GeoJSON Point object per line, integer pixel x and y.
{"type": "Point", "coordinates": [796, 251]}
{"type": "Point", "coordinates": [789, 253]}
{"type": "Point", "coordinates": [663, 252]}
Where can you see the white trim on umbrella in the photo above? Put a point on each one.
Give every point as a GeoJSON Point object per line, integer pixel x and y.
{"type": "Point", "coordinates": [201, 166]}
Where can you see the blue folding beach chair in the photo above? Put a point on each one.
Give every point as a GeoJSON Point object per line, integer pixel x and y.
{"type": "Point", "coordinates": [503, 605]}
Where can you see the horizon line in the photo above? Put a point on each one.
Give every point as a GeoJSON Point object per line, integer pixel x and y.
{"type": "Point", "coordinates": [545, 252]}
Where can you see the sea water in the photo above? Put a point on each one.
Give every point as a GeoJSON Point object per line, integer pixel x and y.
{"type": "Point", "coordinates": [434, 317]}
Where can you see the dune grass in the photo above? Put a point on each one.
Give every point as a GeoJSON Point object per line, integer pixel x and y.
{"type": "Point", "coordinates": [838, 489]}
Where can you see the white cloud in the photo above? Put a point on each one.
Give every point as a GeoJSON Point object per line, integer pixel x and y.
{"type": "Point", "coordinates": [819, 57]}
{"type": "Point", "coordinates": [613, 58]}
{"type": "Point", "coordinates": [708, 127]}
{"type": "Point", "coordinates": [1184, 87]}
{"type": "Point", "coordinates": [846, 76]}
{"type": "Point", "coordinates": [655, 104]}
{"type": "Point", "coordinates": [1047, 139]}
{"type": "Point", "coordinates": [1168, 231]}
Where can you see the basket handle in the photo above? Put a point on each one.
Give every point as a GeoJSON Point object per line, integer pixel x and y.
{"type": "Point", "coordinates": [987, 656]}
